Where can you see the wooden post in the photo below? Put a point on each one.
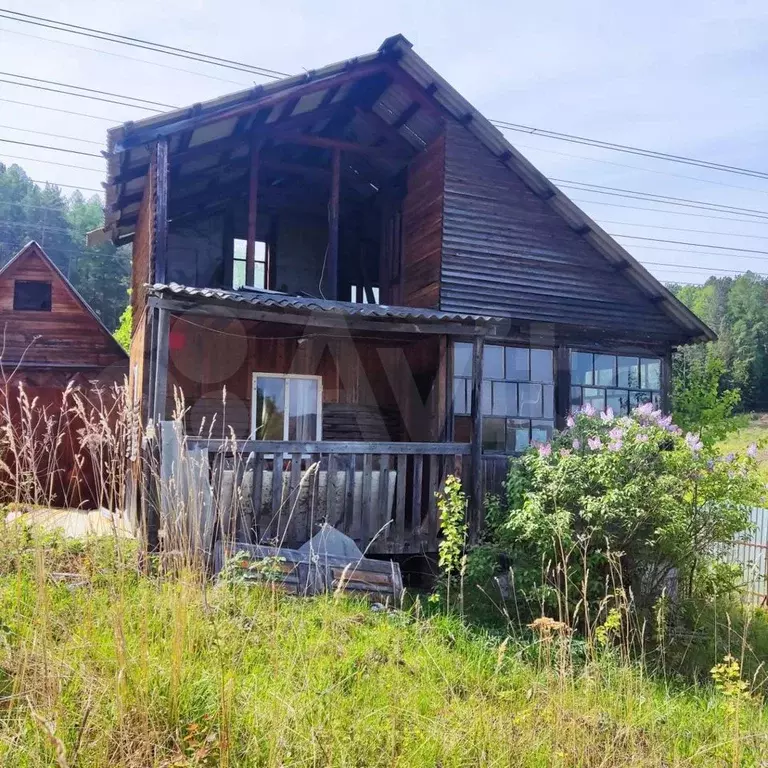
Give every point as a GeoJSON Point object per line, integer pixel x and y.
{"type": "Point", "coordinates": [160, 394]}
{"type": "Point", "coordinates": [253, 191]}
{"type": "Point", "coordinates": [562, 385]}
{"type": "Point", "coordinates": [476, 448]}
{"type": "Point", "coordinates": [333, 227]}
{"type": "Point", "coordinates": [666, 381]}
{"type": "Point", "coordinates": [161, 211]}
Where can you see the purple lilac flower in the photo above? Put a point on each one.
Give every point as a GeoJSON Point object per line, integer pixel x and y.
{"type": "Point", "coordinates": [711, 464]}
{"type": "Point", "coordinates": [656, 415]}
{"type": "Point", "coordinates": [615, 446]}
{"type": "Point", "coordinates": [616, 433]}
{"type": "Point", "coordinates": [752, 451]}
{"type": "Point", "coordinates": [646, 409]}
{"type": "Point", "coordinates": [565, 452]}
{"type": "Point", "coordinates": [665, 422]}
{"type": "Point", "coordinates": [608, 414]}
{"type": "Point", "coordinates": [589, 409]}
{"type": "Point", "coordinates": [571, 422]}
{"type": "Point", "coordinates": [576, 444]}
{"type": "Point", "coordinates": [595, 443]}
{"type": "Point", "coordinates": [641, 437]}
{"type": "Point", "coordinates": [729, 457]}
{"type": "Point", "coordinates": [545, 449]}
{"type": "Point", "coordinates": [693, 442]}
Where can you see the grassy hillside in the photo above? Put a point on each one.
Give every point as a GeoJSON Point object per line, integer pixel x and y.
{"type": "Point", "coordinates": [756, 431]}
{"type": "Point", "coordinates": [113, 668]}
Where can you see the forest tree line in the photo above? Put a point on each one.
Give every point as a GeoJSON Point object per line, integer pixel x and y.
{"type": "Point", "coordinates": [59, 222]}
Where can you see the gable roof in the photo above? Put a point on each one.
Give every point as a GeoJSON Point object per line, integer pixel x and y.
{"type": "Point", "coordinates": [34, 249]}
{"type": "Point", "coordinates": [219, 122]}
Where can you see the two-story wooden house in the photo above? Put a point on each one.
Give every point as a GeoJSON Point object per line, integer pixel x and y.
{"type": "Point", "coordinates": [381, 283]}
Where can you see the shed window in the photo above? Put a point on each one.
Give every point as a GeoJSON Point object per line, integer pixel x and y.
{"type": "Point", "coordinates": [286, 407]}
{"type": "Point", "coordinates": [617, 382]}
{"type": "Point", "coordinates": [238, 264]}
{"type": "Point", "coordinates": [32, 296]}
{"type": "Point", "coordinates": [518, 396]}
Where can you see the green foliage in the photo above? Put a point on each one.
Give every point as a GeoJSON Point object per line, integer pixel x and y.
{"type": "Point", "coordinates": [625, 499]}
{"type": "Point", "coordinates": [452, 508]}
{"type": "Point", "coordinates": [59, 223]}
{"type": "Point", "coordinates": [124, 329]}
{"type": "Point", "coordinates": [699, 404]}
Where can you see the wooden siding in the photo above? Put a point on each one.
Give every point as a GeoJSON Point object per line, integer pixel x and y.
{"type": "Point", "coordinates": [422, 227]}
{"type": "Point", "coordinates": [143, 266]}
{"type": "Point", "coordinates": [67, 335]}
{"type": "Point", "coordinates": [507, 253]}
{"type": "Point", "coordinates": [372, 389]}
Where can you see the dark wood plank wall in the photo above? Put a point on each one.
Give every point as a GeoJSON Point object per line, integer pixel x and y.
{"type": "Point", "coordinates": [142, 250]}
{"type": "Point", "coordinates": [67, 335]}
{"type": "Point", "coordinates": [422, 211]}
{"type": "Point", "coordinates": [507, 253]}
{"type": "Point", "coordinates": [368, 390]}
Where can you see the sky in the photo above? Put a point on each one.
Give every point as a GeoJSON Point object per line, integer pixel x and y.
{"type": "Point", "coordinates": [687, 78]}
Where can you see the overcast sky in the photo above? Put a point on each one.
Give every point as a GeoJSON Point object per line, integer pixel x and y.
{"type": "Point", "coordinates": [688, 78]}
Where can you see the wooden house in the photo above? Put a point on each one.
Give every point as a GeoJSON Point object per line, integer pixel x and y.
{"type": "Point", "coordinates": [381, 283]}
{"type": "Point", "coordinates": [49, 339]}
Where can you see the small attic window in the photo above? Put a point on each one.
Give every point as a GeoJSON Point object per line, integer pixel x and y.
{"type": "Point", "coordinates": [32, 296]}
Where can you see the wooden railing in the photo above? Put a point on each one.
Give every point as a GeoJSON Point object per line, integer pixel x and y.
{"type": "Point", "coordinates": [380, 494]}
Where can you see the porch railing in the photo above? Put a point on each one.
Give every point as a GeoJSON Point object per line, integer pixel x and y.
{"type": "Point", "coordinates": [382, 495]}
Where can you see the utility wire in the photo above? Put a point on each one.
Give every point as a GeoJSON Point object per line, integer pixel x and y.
{"type": "Point", "coordinates": [61, 111]}
{"type": "Point", "coordinates": [52, 135]}
{"type": "Point", "coordinates": [50, 162]}
{"type": "Point", "coordinates": [683, 229]}
{"type": "Point", "coordinates": [685, 242]}
{"type": "Point", "coordinates": [47, 146]}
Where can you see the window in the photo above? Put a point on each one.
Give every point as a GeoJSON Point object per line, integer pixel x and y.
{"type": "Point", "coordinates": [32, 296]}
{"type": "Point", "coordinates": [238, 264]}
{"type": "Point", "coordinates": [286, 407]}
{"type": "Point", "coordinates": [358, 295]}
{"type": "Point", "coordinates": [518, 396]}
{"type": "Point", "coordinates": [620, 382]}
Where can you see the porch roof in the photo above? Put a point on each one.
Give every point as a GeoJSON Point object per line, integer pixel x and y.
{"type": "Point", "coordinates": [283, 304]}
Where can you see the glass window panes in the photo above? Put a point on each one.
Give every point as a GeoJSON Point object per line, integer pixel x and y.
{"type": "Point", "coordinates": [541, 431]}
{"type": "Point", "coordinates": [575, 398]}
{"type": "Point", "coordinates": [494, 437]}
{"type": "Point", "coordinates": [617, 400]}
{"type": "Point", "coordinates": [518, 435]}
{"type": "Point", "coordinates": [638, 398]}
{"type": "Point", "coordinates": [487, 401]}
{"type": "Point", "coordinates": [462, 359]}
{"type": "Point", "coordinates": [595, 397]}
{"type": "Point", "coordinates": [605, 371]}
{"type": "Point", "coordinates": [493, 362]}
{"type": "Point", "coordinates": [650, 373]}
{"type": "Point", "coordinates": [548, 401]}
{"type": "Point", "coordinates": [518, 368]}
{"type": "Point", "coordinates": [541, 365]}
{"type": "Point", "coordinates": [460, 400]}
{"type": "Point", "coordinates": [286, 407]}
{"type": "Point", "coordinates": [629, 372]}
{"type": "Point", "coordinates": [302, 409]}
{"type": "Point", "coordinates": [530, 400]}
{"type": "Point", "coordinates": [504, 398]}
{"type": "Point", "coordinates": [581, 368]}
{"type": "Point", "coordinates": [270, 408]}
{"type": "Point", "coordinates": [239, 249]}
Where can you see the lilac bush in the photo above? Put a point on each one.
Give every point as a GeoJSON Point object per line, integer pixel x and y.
{"type": "Point", "coordinates": [632, 489]}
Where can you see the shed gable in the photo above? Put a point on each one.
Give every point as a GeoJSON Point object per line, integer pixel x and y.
{"type": "Point", "coordinates": [507, 253]}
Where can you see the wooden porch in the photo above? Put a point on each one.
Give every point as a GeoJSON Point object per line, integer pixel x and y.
{"type": "Point", "coordinates": [382, 495]}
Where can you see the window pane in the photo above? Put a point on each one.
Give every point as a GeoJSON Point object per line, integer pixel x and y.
{"type": "Point", "coordinates": [504, 398]}
{"type": "Point", "coordinates": [302, 415]}
{"type": "Point", "coordinates": [629, 372]}
{"type": "Point", "coordinates": [530, 400]}
{"type": "Point", "coordinates": [517, 364]}
{"type": "Point", "coordinates": [581, 368]}
{"type": "Point", "coordinates": [575, 398]}
{"type": "Point", "coordinates": [32, 296]}
{"type": "Point", "coordinates": [650, 373]}
{"type": "Point", "coordinates": [548, 401]}
{"type": "Point", "coordinates": [618, 399]}
{"type": "Point", "coordinates": [638, 398]}
{"type": "Point", "coordinates": [462, 359]}
{"type": "Point", "coordinates": [493, 362]}
{"type": "Point", "coordinates": [494, 438]}
{"type": "Point", "coordinates": [605, 374]}
{"type": "Point", "coordinates": [462, 429]}
{"type": "Point", "coordinates": [238, 274]}
{"type": "Point", "coordinates": [517, 435]}
{"type": "Point", "coordinates": [541, 365]}
{"type": "Point", "coordinates": [487, 400]}
{"type": "Point", "coordinates": [270, 408]}
{"type": "Point", "coordinates": [596, 397]}
{"type": "Point", "coordinates": [460, 403]}
{"type": "Point", "coordinates": [541, 431]}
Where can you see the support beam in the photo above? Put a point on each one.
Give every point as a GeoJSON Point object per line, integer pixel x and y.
{"type": "Point", "coordinates": [253, 190]}
{"type": "Point", "coordinates": [476, 446]}
{"type": "Point", "coordinates": [161, 211]}
{"type": "Point", "coordinates": [160, 389]}
{"type": "Point", "coordinates": [333, 227]}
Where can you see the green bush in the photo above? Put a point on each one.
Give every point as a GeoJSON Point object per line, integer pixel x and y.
{"type": "Point", "coordinates": [618, 505]}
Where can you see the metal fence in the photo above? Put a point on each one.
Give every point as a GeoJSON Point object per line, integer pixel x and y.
{"type": "Point", "coordinates": [752, 554]}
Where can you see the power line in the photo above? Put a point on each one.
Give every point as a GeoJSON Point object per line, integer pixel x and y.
{"type": "Point", "coordinates": [683, 229]}
{"type": "Point", "coordinates": [127, 58]}
{"type": "Point", "coordinates": [83, 88]}
{"type": "Point", "coordinates": [46, 146]}
{"type": "Point", "coordinates": [79, 95]}
{"type": "Point", "coordinates": [69, 186]}
{"type": "Point", "coordinates": [630, 149]}
{"type": "Point", "coordinates": [52, 135]}
{"type": "Point", "coordinates": [689, 252]}
{"type": "Point", "coordinates": [51, 162]}
{"type": "Point", "coordinates": [705, 269]}
{"type": "Point", "coordinates": [61, 111]}
{"type": "Point", "coordinates": [695, 245]}
{"type": "Point", "coordinates": [136, 42]}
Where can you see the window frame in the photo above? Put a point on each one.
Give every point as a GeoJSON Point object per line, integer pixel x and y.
{"type": "Point", "coordinates": [256, 375]}
{"type": "Point", "coordinates": [244, 261]}
{"type": "Point", "coordinates": [48, 283]}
